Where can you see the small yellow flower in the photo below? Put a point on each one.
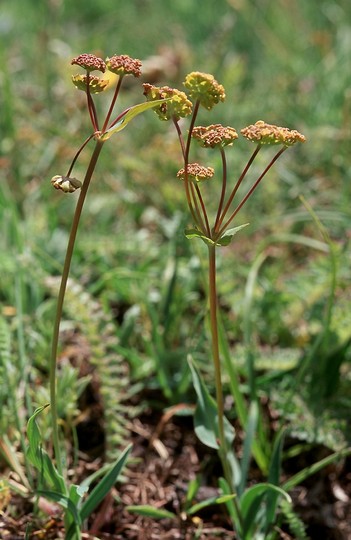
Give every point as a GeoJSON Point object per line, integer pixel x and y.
{"type": "Point", "coordinates": [205, 88]}
{"type": "Point", "coordinates": [124, 65]}
{"type": "Point", "coordinates": [96, 84]}
{"type": "Point", "coordinates": [66, 183]}
{"type": "Point", "coordinates": [90, 62]}
{"type": "Point", "coordinates": [196, 172]}
{"type": "Point", "coordinates": [178, 106]}
{"type": "Point", "coordinates": [214, 135]}
{"type": "Point", "coordinates": [263, 133]}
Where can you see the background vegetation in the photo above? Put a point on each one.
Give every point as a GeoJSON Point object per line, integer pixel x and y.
{"type": "Point", "coordinates": [285, 283]}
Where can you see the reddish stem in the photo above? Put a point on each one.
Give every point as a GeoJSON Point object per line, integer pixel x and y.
{"type": "Point", "coordinates": [236, 187]}
{"type": "Point", "coordinates": [115, 95]}
{"type": "Point", "coordinates": [224, 187]}
{"type": "Point", "coordinates": [249, 193]}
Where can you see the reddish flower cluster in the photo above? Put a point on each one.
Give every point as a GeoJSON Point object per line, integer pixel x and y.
{"type": "Point", "coordinates": [124, 65]}
{"type": "Point", "coordinates": [196, 172]}
{"type": "Point", "coordinates": [90, 62]}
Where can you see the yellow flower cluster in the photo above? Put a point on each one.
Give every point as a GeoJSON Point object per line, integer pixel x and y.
{"type": "Point", "coordinates": [263, 133]}
{"type": "Point", "coordinates": [96, 84]}
{"type": "Point", "coordinates": [205, 88]}
{"type": "Point", "coordinates": [214, 135]}
{"type": "Point", "coordinates": [177, 104]}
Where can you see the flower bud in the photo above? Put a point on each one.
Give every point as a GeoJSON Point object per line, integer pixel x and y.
{"type": "Point", "coordinates": [66, 183]}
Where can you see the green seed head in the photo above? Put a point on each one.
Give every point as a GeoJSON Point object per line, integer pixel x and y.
{"type": "Point", "coordinates": [204, 88]}
{"type": "Point", "coordinates": [96, 84]}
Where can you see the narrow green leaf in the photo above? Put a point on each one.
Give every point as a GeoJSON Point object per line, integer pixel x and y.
{"type": "Point", "coordinates": [276, 459]}
{"type": "Point", "coordinates": [150, 511]}
{"type": "Point", "coordinates": [205, 416]}
{"type": "Point", "coordinates": [39, 457]}
{"type": "Point", "coordinates": [223, 484]}
{"type": "Point", "coordinates": [223, 499]}
{"type": "Point", "coordinates": [312, 469]}
{"type": "Point", "coordinates": [250, 505]}
{"type": "Point", "coordinates": [193, 488]}
{"type": "Point", "coordinates": [131, 113]}
{"type": "Point", "coordinates": [104, 486]}
{"type": "Point", "coordinates": [274, 476]}
{"type": "Point", "coordinates": [250, 432]}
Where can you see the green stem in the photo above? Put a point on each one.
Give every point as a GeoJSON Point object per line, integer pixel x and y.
{"type": "Point", "coordinates": [223, 448]}
{"type": "Point", "coordinates": [215, 343]}
{"type": "Point", "coordinates": [60, 300]}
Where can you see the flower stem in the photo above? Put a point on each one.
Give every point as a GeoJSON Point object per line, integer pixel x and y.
{"type": "Point", "coordinates": [223, 448]}
{"type": "Point", "coordinates": [251, 190]}
{"type": "Point", "coordinates": [220, 219]}
{"type": "Point", "coordinates": [115, 95]}
{"type": "Point", "coordinates": [224, 187]}
{"type": "Point", "coordinates": [215, 342]}
{"type": "Point", "coordinates": [60, 300]}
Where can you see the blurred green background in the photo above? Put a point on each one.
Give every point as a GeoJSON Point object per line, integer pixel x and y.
{"type": "Point", "coordinates": [284, 62]}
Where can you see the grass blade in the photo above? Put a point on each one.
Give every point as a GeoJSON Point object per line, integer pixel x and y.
{"type": "Point", "coordinates": [104, 486]}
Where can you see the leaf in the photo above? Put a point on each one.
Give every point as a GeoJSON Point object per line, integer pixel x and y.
{"type": "Point", "coordinates": [224, 486]}
{"type": "Point", "coordinates": [76, 494]}
{"type": "Point", "coordinates": [150, 511]}
{"type": "Point", "coordinates": [209, 502]}
{"type": "Point", "coordinates": [224, 240]}
{"type": "Point", "coordinates": [103, 487]}
{"type": "Point", "coordinates": [193, 488]}
{"type": "Point", "coordinates": [250, 505]}
{"type": "Point", "coordinates": [40, 458]}
{"type": "Point", "coordinates": [312, 469]}
{"type": "Point", "coordinates": [195, 233]}
{"type": "Point", "coordinates": [205, 416]}
{"type": "Point", "coordinates": [274, 475]}
{"type": "Point", "coordinates": [128, 115]}
{"type": "Point", "coordinates": [250, 433]}
{"type": "Point", "coordinates": [228, 235]}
